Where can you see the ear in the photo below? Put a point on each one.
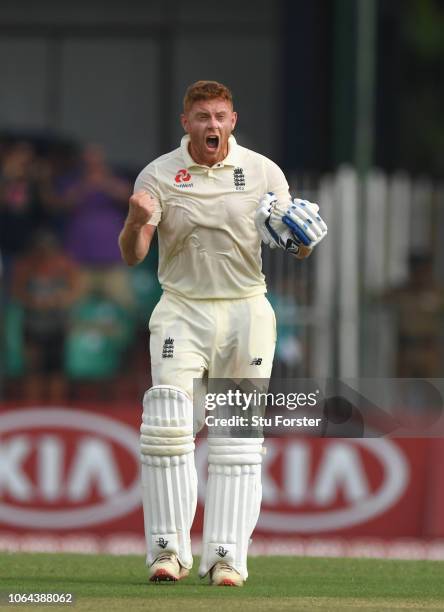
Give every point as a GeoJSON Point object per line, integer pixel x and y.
{"type": "Point", "coordinates": [233, 120]}
{"type": "Point", "coordinates": [184, 122]}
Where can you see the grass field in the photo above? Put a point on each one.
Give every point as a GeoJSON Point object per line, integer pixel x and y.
{"type": "Point", "coordinates": [102, 582]}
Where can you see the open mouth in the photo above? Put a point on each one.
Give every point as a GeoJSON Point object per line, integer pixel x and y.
{"type": "Point", "coordinates": [212, 142]}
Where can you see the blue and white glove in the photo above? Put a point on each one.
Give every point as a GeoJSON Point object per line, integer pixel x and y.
{"type": "Point", "coordinates": [303, 219]}
{"type": "Point", "coordinates": [300, 225]}
{"type": "Point", "coordinates": [269, 224]}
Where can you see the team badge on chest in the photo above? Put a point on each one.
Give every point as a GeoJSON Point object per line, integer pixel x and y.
{"type": "Point", "coordinates": [168, 348]}
{"type": "Point", "coordinates": [239, 179]}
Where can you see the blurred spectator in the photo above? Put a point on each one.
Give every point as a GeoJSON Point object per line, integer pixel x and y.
{"type": "Point", "coordinates": [19, 201]}
{"type": "Point", "coordinates": [57, 169]}
{"type": "Point", "coordinates": [96, 202]}
{"type": "Point", "coordinates": [46, 283]}
{"type": "Point", "coordinates": [101, 331]}
{"type": "Point", "coordinates": [419, 305]}
{"type": "Point", "coordinates": [289, 352]}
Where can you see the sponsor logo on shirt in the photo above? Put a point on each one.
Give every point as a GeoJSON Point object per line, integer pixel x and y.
{"type": "Point", "coordinates": [239, 179]}
{"type": "Point", "coordinates": [183, 178]}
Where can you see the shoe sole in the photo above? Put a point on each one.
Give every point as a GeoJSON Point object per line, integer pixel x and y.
{"type": "Point", "coordinates": [162, 575]}
{"type": "Point", "coordinates": [227, 582]}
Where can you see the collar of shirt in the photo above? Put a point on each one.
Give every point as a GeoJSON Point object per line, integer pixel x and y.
{"type": "Point", "coordinates": [232, 159]}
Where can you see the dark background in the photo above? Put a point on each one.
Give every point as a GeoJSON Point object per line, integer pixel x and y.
{"type": "Point", "coordinates": [346, 95]}
{"type": "Point", "coordinates": [305, 75]}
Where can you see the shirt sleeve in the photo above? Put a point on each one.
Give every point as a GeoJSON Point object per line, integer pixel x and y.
{"type": "Point", "coordinates": [277, 184]}
{"type": "Point", "coordinates": [147, 181]}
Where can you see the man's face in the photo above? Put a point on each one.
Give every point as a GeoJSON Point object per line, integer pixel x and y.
{"type": "Point", "coordinates": [209, 124]}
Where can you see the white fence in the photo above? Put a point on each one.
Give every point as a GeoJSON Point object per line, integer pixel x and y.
{"type": "Point", "coordinates": [331, 307]}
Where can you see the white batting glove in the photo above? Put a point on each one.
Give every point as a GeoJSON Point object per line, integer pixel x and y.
{"type": "Point", "coordinates": [303, 219]}
{"type": "Point", "coordinates": [269, 224]}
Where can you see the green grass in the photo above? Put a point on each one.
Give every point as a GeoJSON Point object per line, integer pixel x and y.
{"type": "Point", "coordinates": [104, 582]}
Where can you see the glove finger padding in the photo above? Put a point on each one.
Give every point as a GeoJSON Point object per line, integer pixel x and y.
{"type": "Point", "coordinates": [262, 219]}
{"type": "Point", "coordinates": [304, 221]}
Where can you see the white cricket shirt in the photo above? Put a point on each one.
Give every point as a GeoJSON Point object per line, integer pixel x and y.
{"type": "Point", "coordinates": [209, 247]}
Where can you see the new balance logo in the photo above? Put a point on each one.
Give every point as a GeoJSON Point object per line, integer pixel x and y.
{"type": "Point", "coordinates": [162, 542]}
{"type": "Point", "coordinates": [168, 348]}
{"type": "Point", "coordinates": [221, 551]}
{"type": "Point", "coordinates": [256, 361]}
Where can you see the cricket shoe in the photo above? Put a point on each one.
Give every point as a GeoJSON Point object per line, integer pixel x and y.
{"type": "Point", "coordinates": [222, 574]}
{"type": "Point", "coordinates": [166, 568]}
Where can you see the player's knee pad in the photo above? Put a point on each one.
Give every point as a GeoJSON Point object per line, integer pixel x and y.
{"type": "Point", "coordinates": [169, 481]}
{"type": "Point", "coordinates": [167, 424]}
{"type": "Point", "coordinates": [234, 481]}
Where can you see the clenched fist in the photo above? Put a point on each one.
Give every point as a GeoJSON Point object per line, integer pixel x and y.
{"type": "Point", "coordinates": [141, 208]}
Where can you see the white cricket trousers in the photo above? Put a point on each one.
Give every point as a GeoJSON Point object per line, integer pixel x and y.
{"type": "Point", "coordinates": [218, 338]}
{"type": "Point", "coordinates": [207, 339]}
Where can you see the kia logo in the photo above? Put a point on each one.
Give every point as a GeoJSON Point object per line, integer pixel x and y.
{"type": "Point", "coordinates": [341, 467]}
{"type": "Point", "coordinates": [38, 482]}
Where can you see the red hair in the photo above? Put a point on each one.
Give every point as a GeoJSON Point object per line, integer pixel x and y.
{"type": "Point", "coordinates": [206, 90]}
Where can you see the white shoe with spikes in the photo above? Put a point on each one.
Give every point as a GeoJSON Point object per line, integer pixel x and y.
{"type": "Point", "coordinates": [166, 568]}
{"type": "Point", "coordinates": [222, 574]}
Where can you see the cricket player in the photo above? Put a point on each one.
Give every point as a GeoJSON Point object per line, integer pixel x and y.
{"type": "Point", "coordinates": [212, 202]}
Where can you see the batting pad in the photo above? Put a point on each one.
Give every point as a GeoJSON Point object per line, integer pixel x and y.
{"type": "Point", "coordinates": [232, 503]}
{"type": "Point", "coordinates": [169, 480]}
